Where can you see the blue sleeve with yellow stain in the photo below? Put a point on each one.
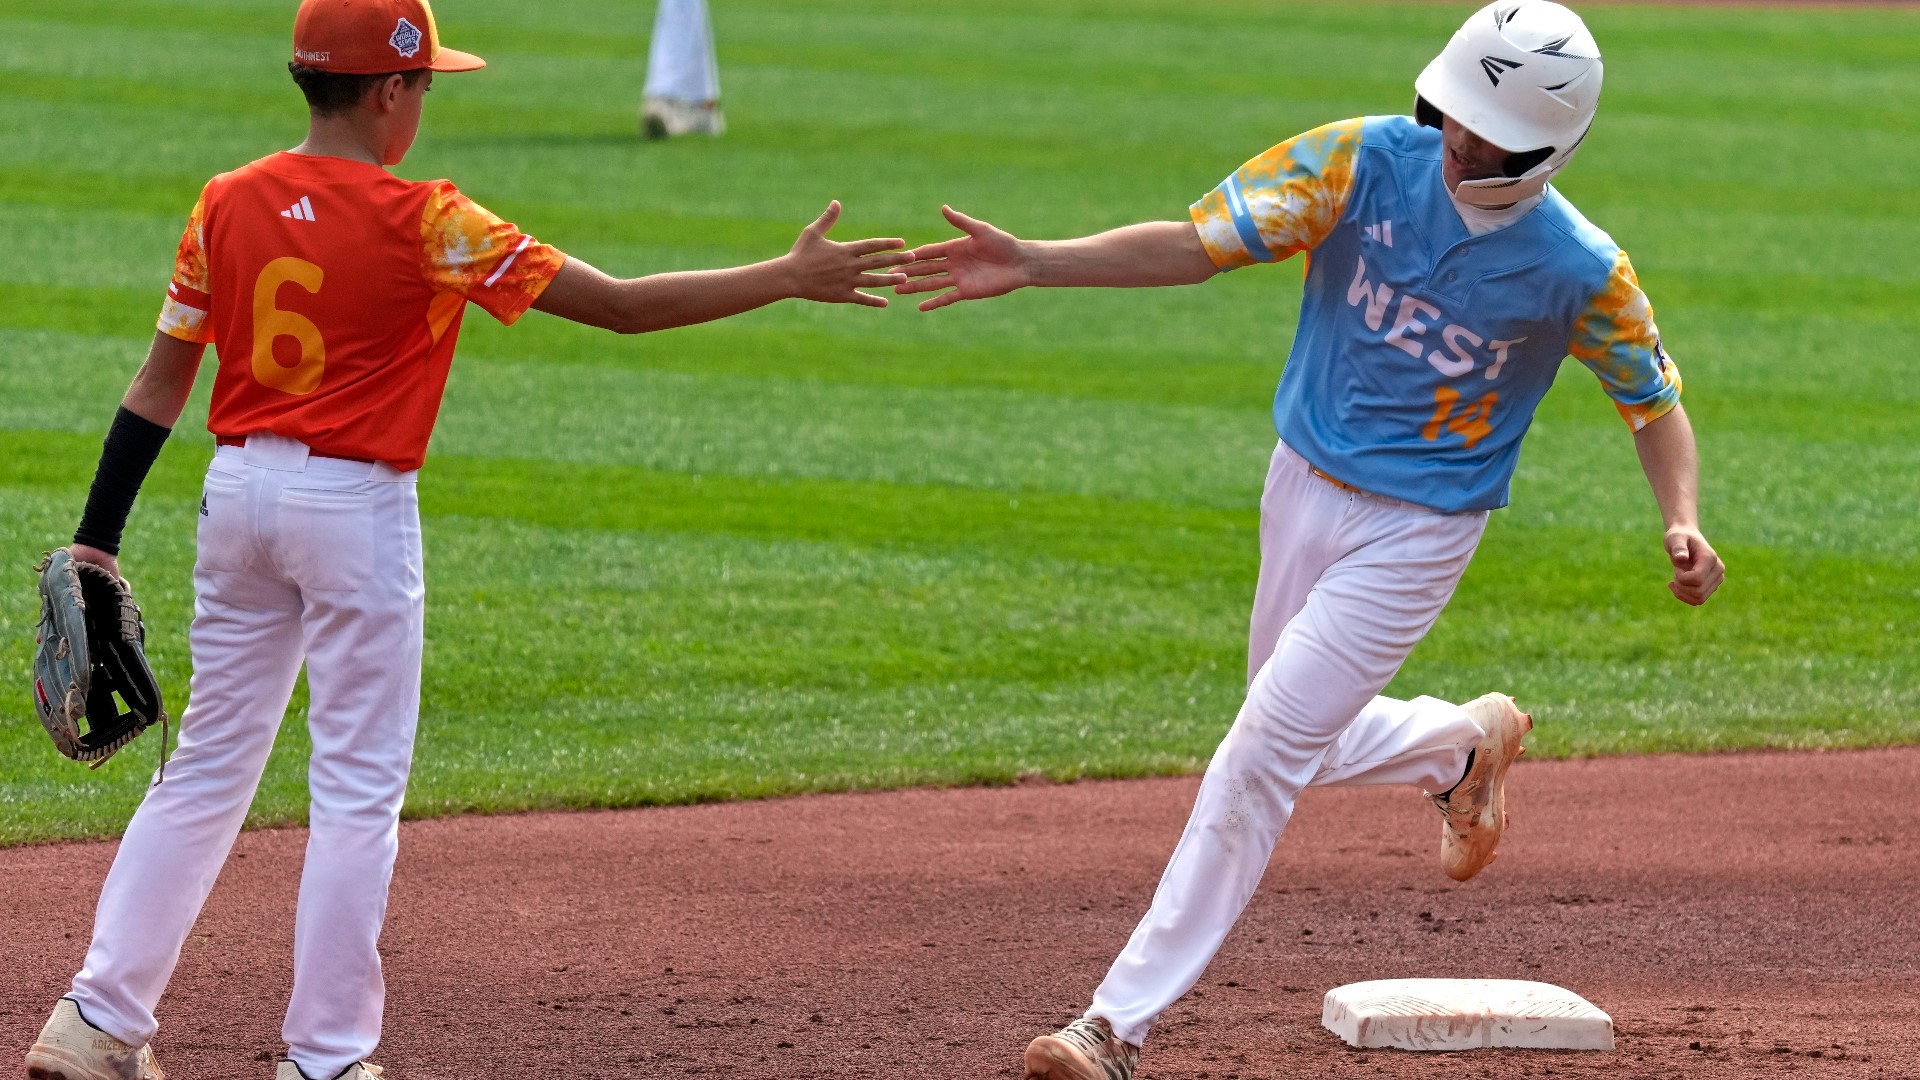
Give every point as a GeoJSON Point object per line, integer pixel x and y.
{"type": "Point", "coordinates": [1283, 202]}
{"type": "Point", "coordinates": [1617, 339]}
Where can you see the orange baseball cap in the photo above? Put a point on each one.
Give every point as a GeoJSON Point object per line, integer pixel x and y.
{"type": "Point", "coordinates": [373, 37]}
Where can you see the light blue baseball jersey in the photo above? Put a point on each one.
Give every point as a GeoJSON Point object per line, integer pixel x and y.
{"type": "Point", "coordinates": [1423, 351]}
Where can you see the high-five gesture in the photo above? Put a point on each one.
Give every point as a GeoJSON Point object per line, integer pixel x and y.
{"type": "Point", "coordinates": [834, 273]}
{"type": "Point", "coordinates": [815, 268]}
{"type": "Point", "coordinates": [988, 261]}
{"type": "Point", "coordinates": [985, 262]}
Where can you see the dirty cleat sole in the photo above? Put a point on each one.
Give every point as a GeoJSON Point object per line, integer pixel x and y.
{"type": "Point", "coordinates": [1474, 812]}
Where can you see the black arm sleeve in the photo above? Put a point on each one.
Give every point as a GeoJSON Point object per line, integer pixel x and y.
{"type": "Point", "coordinates": [133, 443]}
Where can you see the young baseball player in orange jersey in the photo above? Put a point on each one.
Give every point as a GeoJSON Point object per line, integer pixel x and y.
{"type": "Point", "coordinates": [1446, 282]}
{"type": "Point", "coordinates": [332, 292]}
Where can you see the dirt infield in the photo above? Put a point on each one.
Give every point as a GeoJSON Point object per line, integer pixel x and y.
{"type": "Point", "coordinates": [1743, 915]}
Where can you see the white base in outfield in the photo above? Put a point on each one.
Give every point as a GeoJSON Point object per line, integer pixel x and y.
{"type": "Point", "coordinates": [1464, 1014]}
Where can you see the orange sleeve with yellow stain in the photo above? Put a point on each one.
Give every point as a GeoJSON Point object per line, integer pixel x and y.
{"type": "Point", "coordinates": [1283, 202]}
{"type": "Point", "coordinates": [185, 314]}
{"type": "Point", "coordinates": [469, 252]}
{"type": "Point", "coordinates": [1617, 339]}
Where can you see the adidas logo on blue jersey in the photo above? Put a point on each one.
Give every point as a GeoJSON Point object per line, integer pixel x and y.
{"type": "Point", "coordinates": [1383, 232]}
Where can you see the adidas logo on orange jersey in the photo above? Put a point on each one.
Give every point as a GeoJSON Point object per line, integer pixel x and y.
{"type": "Point", "coordinates": [300, 211]}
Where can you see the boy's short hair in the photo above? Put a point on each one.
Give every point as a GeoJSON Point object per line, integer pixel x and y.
{"type": "Point", "coordinates": [330, 92]}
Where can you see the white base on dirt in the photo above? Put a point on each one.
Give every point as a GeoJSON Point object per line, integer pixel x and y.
{"type": "Point", "coordinates": [1464, 1014]}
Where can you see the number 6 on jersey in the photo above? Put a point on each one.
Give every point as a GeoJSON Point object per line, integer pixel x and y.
{"type": "Point", "coordinates": [272, 322]}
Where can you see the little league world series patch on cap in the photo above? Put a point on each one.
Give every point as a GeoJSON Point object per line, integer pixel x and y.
{"type": "Point", "coordinates": [371, 37]}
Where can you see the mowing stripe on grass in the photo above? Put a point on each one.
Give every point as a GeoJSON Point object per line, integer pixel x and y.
{"type": "Point", "coordinates": [815, 547]}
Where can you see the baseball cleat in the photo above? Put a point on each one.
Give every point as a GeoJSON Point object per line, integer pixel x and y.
{"type": "Point", "coordinates": [1474, 811]}
{"type": "Point", "coordinates": [359, 1070]}
{"type": "Point", "coordinates": [1083, 1050]}
{"type": "Point", "coordinates": [664, 118]}
{"type": "Point", "coordinates": [72, 1049]}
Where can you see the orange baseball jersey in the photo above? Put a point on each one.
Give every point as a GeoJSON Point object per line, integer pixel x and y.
{"type": "Point", "coordinates": [332, 292]}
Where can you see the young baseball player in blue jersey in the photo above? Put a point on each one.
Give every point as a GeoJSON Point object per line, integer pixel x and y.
{"type": "Point", "coordinates": [1445, 283]}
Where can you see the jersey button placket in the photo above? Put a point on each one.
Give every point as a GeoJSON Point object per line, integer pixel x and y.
{"type": "Point", "coordinates": [1443, 279]}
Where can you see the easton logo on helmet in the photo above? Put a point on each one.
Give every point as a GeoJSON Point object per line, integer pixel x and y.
{"type": "Point", "coordinates": [1494, 66]}
{"type": "Point", "coordinates": [405, 39]}
{"type": "Point", "coordinates": [1552, 48]}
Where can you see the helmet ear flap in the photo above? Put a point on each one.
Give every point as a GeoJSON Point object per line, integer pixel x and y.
{"type": "Point", "coordinates": [1516, 165]}
{"type": "Point", "coordinates": [1521, 164]}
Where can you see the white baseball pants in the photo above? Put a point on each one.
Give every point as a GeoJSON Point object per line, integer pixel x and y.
{"type": "Point", "coordinates": [680, 58]}
{"type": "Point", "coordinates": [299, 557]}
{"type": "Point", "coordinates": [1349, 584]}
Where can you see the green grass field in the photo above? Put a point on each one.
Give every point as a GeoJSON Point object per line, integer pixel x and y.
{"type": "Point", "coordinates": [820, 548]}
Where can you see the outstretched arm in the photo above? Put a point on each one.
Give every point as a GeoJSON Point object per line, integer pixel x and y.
{"type": "Point", "coordinates": [1672, 464]}
{"type": "Point", "coordinates": [815, 269]}
{"type": "Point", "coordinates": [992, 262]}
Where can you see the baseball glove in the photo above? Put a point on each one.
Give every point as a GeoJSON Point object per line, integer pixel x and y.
{"type": "Point", "coordinates": [90, 659]}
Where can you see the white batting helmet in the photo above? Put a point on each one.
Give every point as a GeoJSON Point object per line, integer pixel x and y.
{"type": "Point", "coordinates": [1525, 76]}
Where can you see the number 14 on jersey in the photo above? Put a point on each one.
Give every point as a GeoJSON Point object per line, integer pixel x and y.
{"type": "Point", "coordinates": [1472, 422]}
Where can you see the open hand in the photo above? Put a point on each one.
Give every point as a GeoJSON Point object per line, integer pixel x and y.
{"type": "Point", "coordinates": [834, 273]}
{"type": "Point", "coordinates": [1697, 569]}
{"type": "Point", "coordinates": [985, 262]}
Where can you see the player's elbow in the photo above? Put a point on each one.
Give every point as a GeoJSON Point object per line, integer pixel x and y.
{"type": "Point", "coordinates": [629, 318]}
{"type": "Point", "coordinates": [636, 309]}
{"type": "Point", "coordinates": [644, 315]}
{"type": "Point", "coordinates": [1193, 273]}
{"type": "Point", "coordinates": [647, 323]}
